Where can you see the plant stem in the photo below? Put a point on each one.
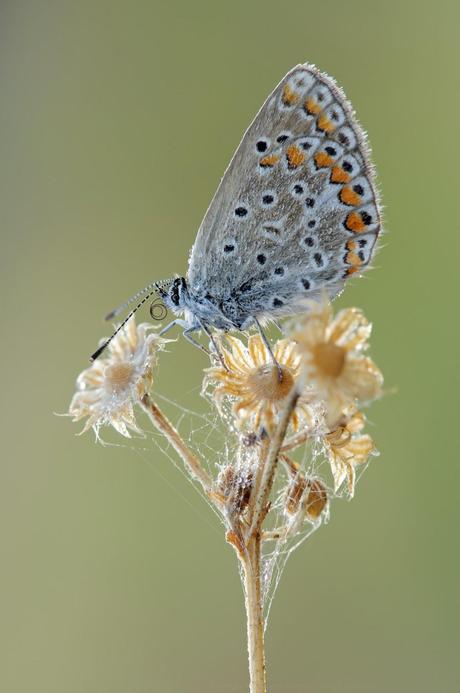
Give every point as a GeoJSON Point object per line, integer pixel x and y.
{"type": "Point", "coordinates": [254, 614]}
{"type": "Point", "coordinates": [271, 462]}
{"type": "Point", "coordinates": [166, 428]}
{"type": "Point", "coordinates": [249, 553]}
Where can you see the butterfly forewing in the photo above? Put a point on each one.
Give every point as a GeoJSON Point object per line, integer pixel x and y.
{"type": "Point", "coordinates": [297, 209]}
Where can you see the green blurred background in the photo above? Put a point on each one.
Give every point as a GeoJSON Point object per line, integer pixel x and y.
{"type": "Point", "coordinates": [117, 120]}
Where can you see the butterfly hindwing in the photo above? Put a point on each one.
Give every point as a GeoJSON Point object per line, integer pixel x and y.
{"type": "Point", "coordinates": [297, 210]}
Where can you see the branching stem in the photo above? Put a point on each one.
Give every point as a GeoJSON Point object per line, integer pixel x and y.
{"type": "Point", "coordinates": [248, 547]}
{"type": "Point", "coordinates": [263, 493]}
{"type": "Point", "coordinates": [251, 558]}
{"type": "Point", "coordinates": [166, 428]}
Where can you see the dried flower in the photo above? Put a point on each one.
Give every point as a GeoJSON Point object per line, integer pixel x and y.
{"type": "Point", "coordinates": [332, 359]}
{"type": "Point", "coordinates": [108, 389]}
{"type": "Point", "coordinates": [309, 494]}
{"type": "Point", "coordinates": [252, 382]}
{"type": "Point", "coordinates": [235, 485]}
{"type": "Point", "coordinates": [346, 448]}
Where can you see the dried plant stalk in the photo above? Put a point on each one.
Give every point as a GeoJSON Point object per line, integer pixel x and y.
{"type": "Point", "coordinates": [165, 427]}
{"type": "Point", "coordinates": [254, 616]}
{"type": "Point", "coordinates": [271, 462]}
{"type": "Point", "coordinates": [261, 493]}
{"type": "Point", "coordinates": [251, 559]}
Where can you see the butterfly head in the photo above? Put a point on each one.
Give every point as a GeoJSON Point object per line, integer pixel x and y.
{"type": "Point", "coordinates": [173, 293]}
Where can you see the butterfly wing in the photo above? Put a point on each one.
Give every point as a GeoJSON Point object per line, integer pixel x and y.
{"type": "Point", "coordinates": [297, 210]}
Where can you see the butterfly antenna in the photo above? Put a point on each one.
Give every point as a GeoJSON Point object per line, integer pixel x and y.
{"type": "Point", "coordinates": [120, 309]}
{"type": "Point", "coordinates": [103, 346]}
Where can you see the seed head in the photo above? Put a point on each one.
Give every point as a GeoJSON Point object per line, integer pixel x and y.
{"type": "Point", "coordinates": [108, 389]}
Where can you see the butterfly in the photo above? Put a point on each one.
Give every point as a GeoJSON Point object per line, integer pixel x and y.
{"type": "Point", "coordinates": [296, 214]}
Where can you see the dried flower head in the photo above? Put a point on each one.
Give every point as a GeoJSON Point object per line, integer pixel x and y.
{"type": "Point", "coordinates": [235, 484]}
{"type": "Point", "coordinates": [252, 382]}
{"type": "Point", "coordinates": [108, 389]}
{"type": "Point", "coordinates": [331, 351]}
{"type": "Point", "coordinates": [306, 495]}
{"type": "Point", "coordinates": [347, 448]}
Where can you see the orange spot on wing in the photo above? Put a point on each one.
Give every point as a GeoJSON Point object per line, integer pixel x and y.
{"type": "Point", "coordinates": [351, 270]}
{"type": "Point", "coordinates": [353, 259]}
{"type": "Point", "coordinates": [294, 156]}
{"type": "Point", "coordinates": [349, 197]}
{"type": "Point", "coordinates": [338, 175]}
{"type": "Point", "coordinates": [289, 97]}
{"type": "Point", "coordinates": [325, 124]}
{"type": "Point", "coordinates": [323, 160]}
{"type": "Point", "coordinates": [354, 222]}
{"type": "Point", "coordinates": [351, 245]}
{"type": "Point", "coordinates": [312, 107]}
{"type": "Point", "coordinates": [269, 161]}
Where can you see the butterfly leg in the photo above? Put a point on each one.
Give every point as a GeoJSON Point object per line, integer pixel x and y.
{"type": "Point", "coordinates": [208, 332]}
{"type": "Point", "coordinates": [186, 332]}
{"type": "Point", "coordinates": [170, 325]}
{"type": "Point", "coordinates": [189, 338]}
{"type": "Point", "coordinates": [269, 349]}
